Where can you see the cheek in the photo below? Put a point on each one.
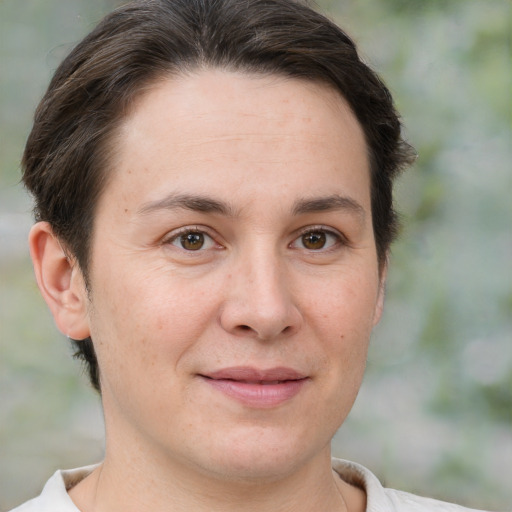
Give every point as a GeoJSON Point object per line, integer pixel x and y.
{"type": "Point", "coordinates": [147, 317]}
{"type": "Point", "coordinates": [143, 338]}
{"type": "Point", "coordinates": [345, 308]}
{"type": "Point", "coordinates": [342, 317]}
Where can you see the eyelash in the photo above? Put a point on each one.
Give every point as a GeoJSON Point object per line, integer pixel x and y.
{"type": "Point", "coordinates": [339, 239]}
{"type": "Point", "coordinates": [197, 230]}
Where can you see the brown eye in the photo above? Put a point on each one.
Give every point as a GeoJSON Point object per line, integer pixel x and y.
{"type": "Point", "coordinates": [192, 241]}
{"type": "Point", "coordinates": [318, 239]}
{"type": "Point", "coordinates": [314, 240]}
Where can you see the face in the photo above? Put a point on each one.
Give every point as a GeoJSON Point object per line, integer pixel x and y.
{"type": "Point", "coordinates": [234, 277]}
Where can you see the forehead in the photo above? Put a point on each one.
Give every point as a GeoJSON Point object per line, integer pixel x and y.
{"type": "Point", "coordinates": [217, 129]}
{"type": "Point", "coordinates": [249, 99]}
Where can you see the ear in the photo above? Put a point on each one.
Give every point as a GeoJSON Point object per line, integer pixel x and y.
{"type": "Point", "coordinates": [60, 281]}
{"type": "Point", "coordinates": [379, 305]}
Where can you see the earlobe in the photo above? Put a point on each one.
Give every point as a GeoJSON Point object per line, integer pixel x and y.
{"type": "Point", "coordinates": [60, 281]}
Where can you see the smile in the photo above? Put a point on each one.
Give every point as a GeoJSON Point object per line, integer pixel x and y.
{"type": "Point", "coordinates": [257, 388]}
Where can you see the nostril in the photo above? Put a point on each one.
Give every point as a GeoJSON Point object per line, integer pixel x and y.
{"type": "Point", "coordinates": [245, 328]}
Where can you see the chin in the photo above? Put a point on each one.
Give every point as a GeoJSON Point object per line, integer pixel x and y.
{"type": "Point", "coordinates": [263, 456]}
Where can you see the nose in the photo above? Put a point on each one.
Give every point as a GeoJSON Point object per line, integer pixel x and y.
{"type": "Point", "coordinates": [260, 302]}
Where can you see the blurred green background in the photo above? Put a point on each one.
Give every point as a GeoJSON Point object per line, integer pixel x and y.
{"type": "Point", "coordinates": [435, 412]}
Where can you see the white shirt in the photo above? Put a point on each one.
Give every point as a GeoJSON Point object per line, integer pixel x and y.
{"type": "Point", "coordinates": [55, 498]}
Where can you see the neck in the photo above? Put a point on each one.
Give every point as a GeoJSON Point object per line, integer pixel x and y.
{"type": "Point", "coordinates": [121, 484]}
{"type": "Point", "coordinates": [141, 476]}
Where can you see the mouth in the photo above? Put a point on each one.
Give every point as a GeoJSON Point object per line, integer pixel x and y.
{"type": "Point", "coordinates": [260, 382]}
{"type": "Point", "coordinates": [257, 388]}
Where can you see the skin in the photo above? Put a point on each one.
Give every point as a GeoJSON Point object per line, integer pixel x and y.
{"type": "Point", "coordinates": [272, 175]}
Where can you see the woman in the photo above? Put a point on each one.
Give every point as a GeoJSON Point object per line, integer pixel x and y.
{"type": "Point", "coordinates": [213, 188]}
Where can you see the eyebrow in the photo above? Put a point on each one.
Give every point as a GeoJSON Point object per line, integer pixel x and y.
{"type": "Point", "coordinates": [195, 203]}
{"type": "Point", "coordinates": [205, 204]}
{"type": "Point", "coordinates": [334, 202]}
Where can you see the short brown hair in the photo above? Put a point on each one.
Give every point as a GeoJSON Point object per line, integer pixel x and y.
{"type": "Point", "coordinates": [66, 159]}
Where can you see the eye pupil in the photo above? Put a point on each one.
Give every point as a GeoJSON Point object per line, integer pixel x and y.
{"type": "Point", "coordinates": [314, 240]}
{"type": "Point", "coordinates": [192, 241]}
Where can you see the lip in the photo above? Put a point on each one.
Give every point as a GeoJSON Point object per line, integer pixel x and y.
{"type": "Point", "coordinates": [257, 388]}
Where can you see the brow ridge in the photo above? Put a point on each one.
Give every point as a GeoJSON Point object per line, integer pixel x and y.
{"type": "Point", "coordinates": [333, 202]}
{"type": "Point", "coordinates": [206, 204]}
{"type": "Point", "coordinates": [191, 202]}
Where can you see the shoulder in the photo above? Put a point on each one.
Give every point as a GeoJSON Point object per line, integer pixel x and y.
{"type": "Point", "coordinates": [54, 497]}
{"type": "Point", "coordinates": [403, 501]}
{"type": "Point", "coordinates": [381, 499]}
